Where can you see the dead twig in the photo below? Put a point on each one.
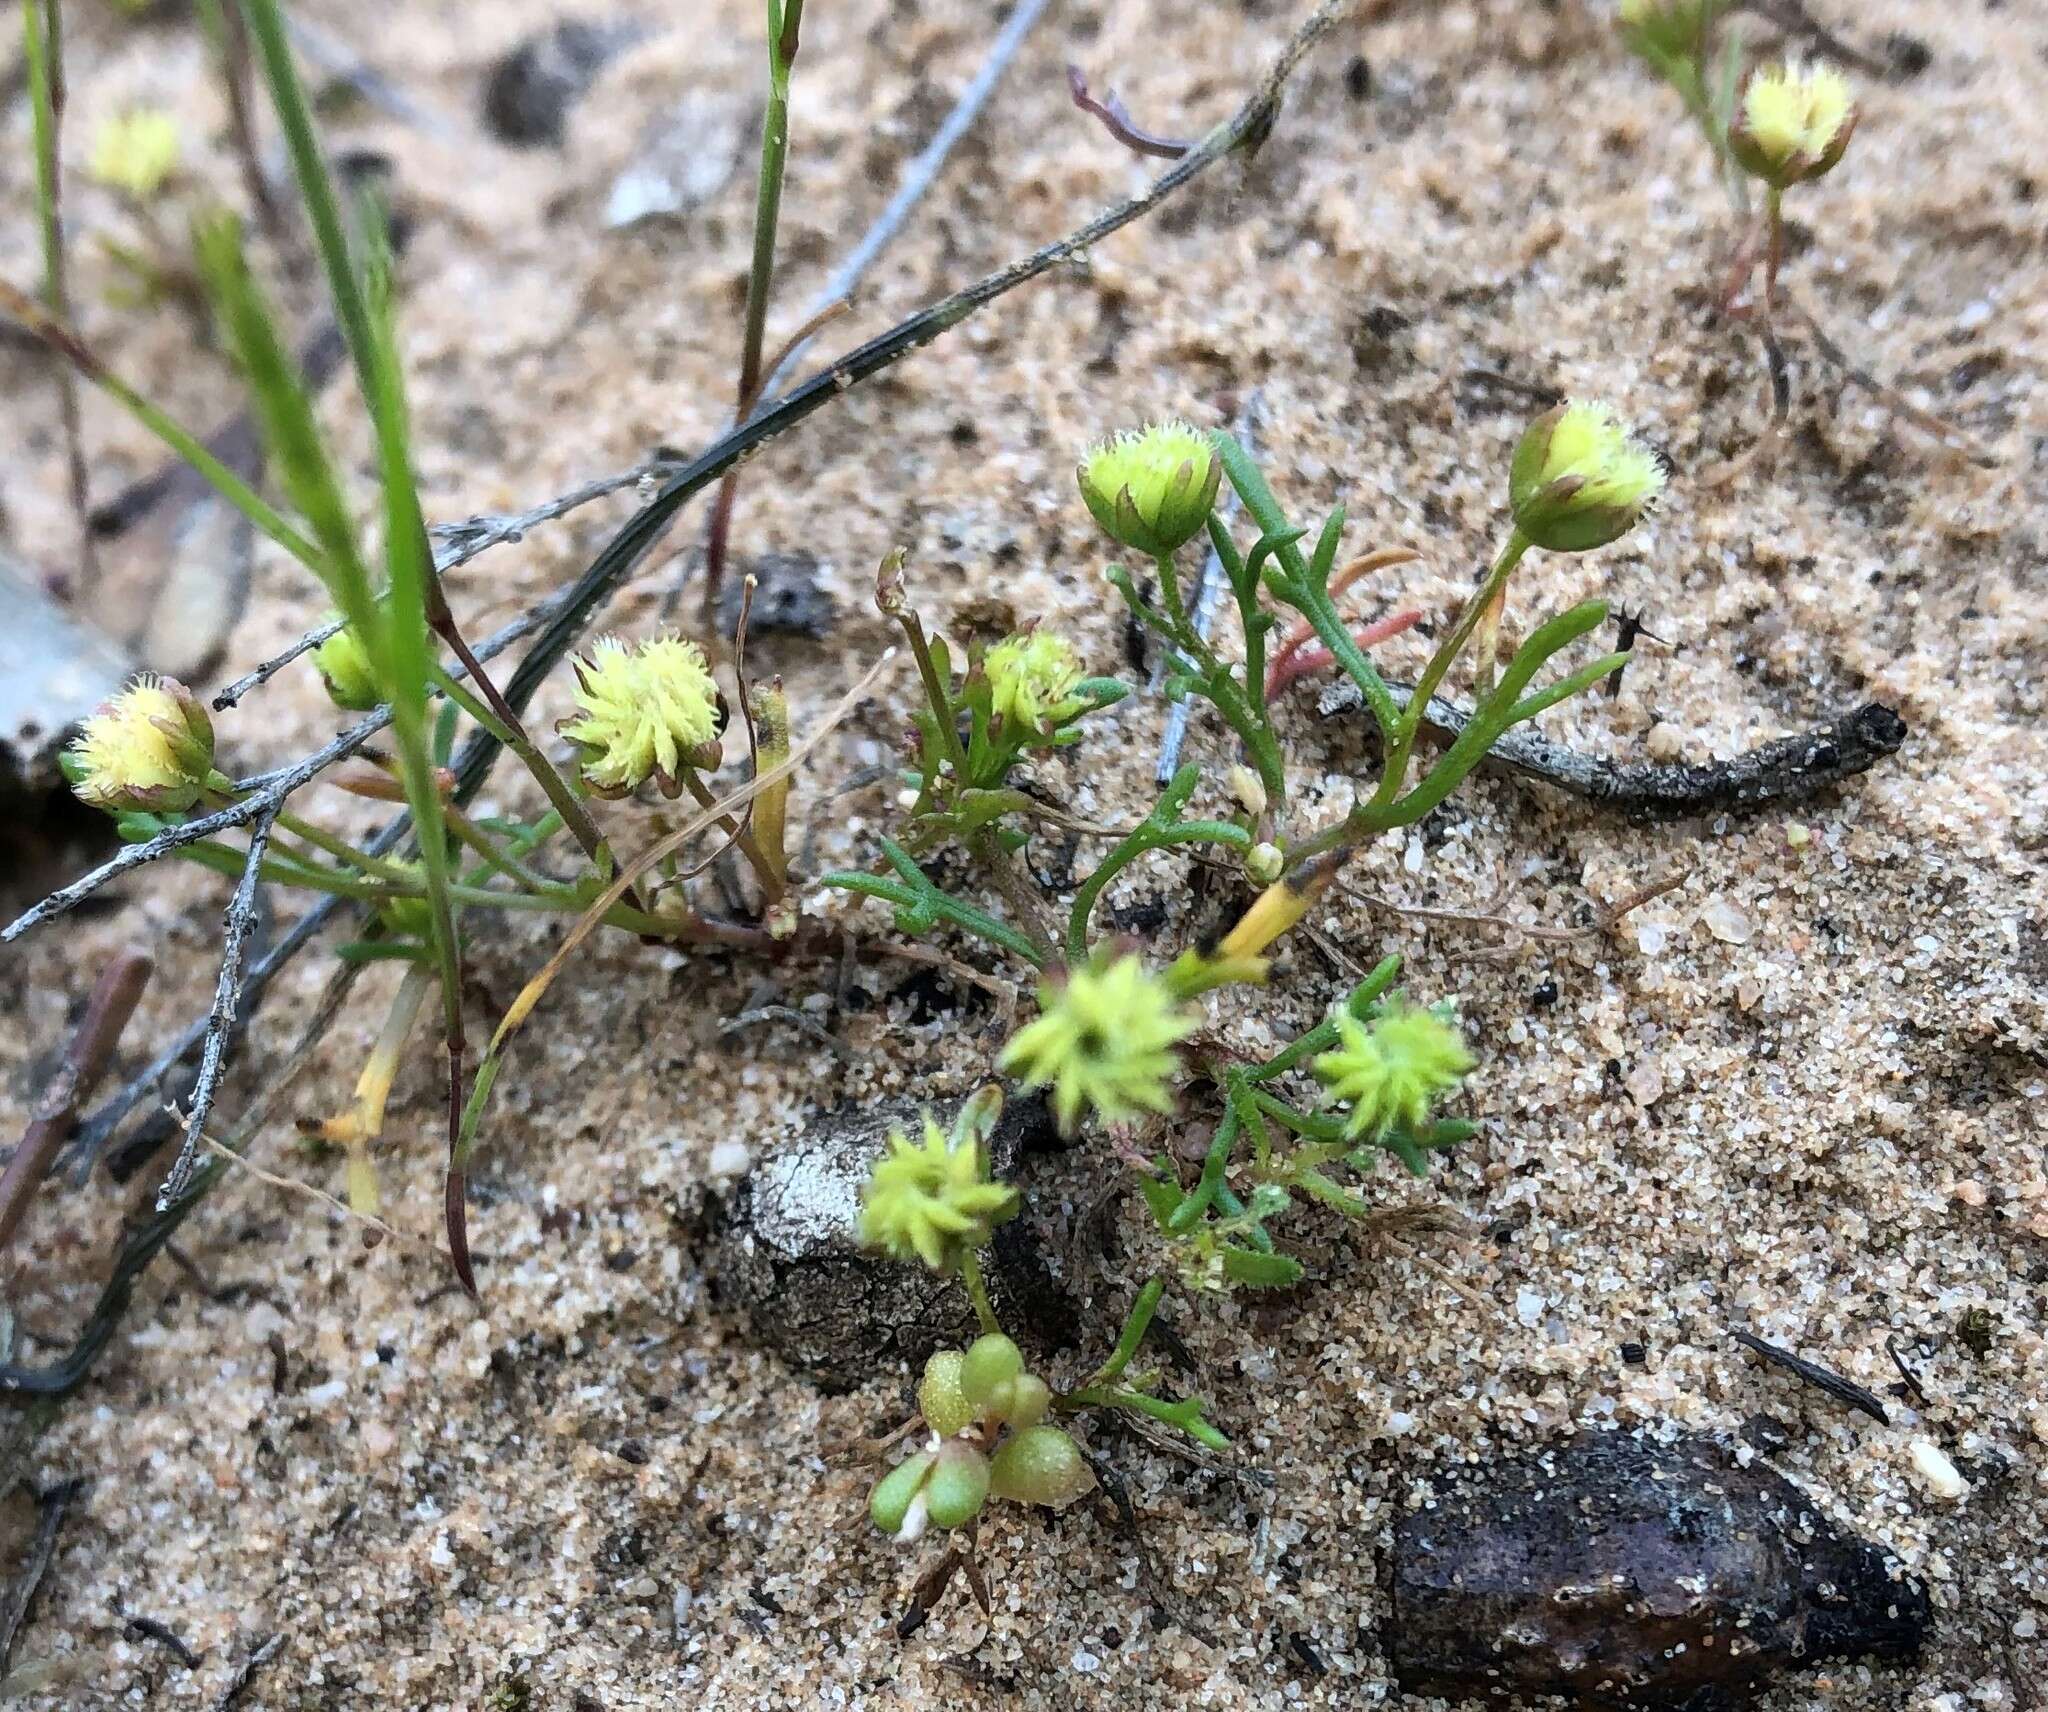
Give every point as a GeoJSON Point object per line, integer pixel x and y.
{"type": "Point", "coordinates": [1784, 770]}
{"type": "Point", "coordinates": [53, 1501]}
{"type": "Point", "coordinates": [227, 996]}
{"type": "Point", "coordinates": [1116, 120]}
{"type": "Point", "coordinates": [1845, 1391]}
{"type": "Point", "coordinates": [238, 1685]}
{"type": "Point", "coordinates": [114, 998]}
{"type": "Point", "coordinates": [1516, 934]}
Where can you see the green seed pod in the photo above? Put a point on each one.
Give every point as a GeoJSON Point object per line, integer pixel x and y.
{"type": "Point", "coordinates": [992, 1362]}
{"type": "Point", "coordinates": [890, 1501]}
{"type": "Point", "coordinates": [1024, 1401]}
{"type": "Point", "coordinates": [1041, 1466]}
{"type": "Point", "coordinates": [958, 1485]}
{"type": "Point", "coordinates": [940, 1400]}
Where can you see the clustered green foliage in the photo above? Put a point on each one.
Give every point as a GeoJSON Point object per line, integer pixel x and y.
{"type": "Point", "coordinates": [1118, 1038]}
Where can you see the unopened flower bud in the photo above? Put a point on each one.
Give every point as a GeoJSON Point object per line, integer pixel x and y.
{"type": "Point", "coordinates": [344, 666]}
{"type": "Point", "coordinates": [991, 1363]}
{"type": "Point", "coordinates": [957, 1486]}
{"type": "Point", "coordinates": [1792, 123]}
{"type": "Point", "coordinates": [1263, 864]}
{"type": "Point", "coordinates": [1152, 490]}
{"type": "Point", "coordinates": [1247, 787]}
{"type": "Point", "coordinates": [1023, 1402]}
{"type": "Point", "coordinates": [149, 749]}
{"type": "Point", "coordinates": [1041, 1465]}
{"type": "Point", "coordinates": [1581, 478]}
{"type": "Point", "coordinates": [897, 1494]}
{"type": "Point", "coordinates": [940, 1399]}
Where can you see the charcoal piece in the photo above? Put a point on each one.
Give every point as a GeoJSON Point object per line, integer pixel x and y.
{"type": "Point", "coordinates": [1621, 1573]}
{"type": "Point", "coordinates": [786, 1256]}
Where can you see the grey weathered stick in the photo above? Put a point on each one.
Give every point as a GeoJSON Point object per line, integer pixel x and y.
{"type": "Point", "coordinates": [114, 998]}
{"type": "Point", "coordinates": [1783, 770]}
{"type": "Point", "coordinates": [238, 1685]}
{"type": "Point", "coordinates": [461, 542]}
{"type": "Point", "coordinates": [22, 1592]}
{"type": "Point", "coordinates": [227, 998]}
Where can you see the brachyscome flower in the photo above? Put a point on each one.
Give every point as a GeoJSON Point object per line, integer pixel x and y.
{"type": "Point", "coordinates": [135, 152]}
{"type": "Point", "coordinates": [1103, 1041]}
{"type": "Point", "coordinates": [1393, 1069]}
{"type": "Point", "coordinates": [1792, 123]}
{"type": "Point", "coordinates": [1031, 679]}
{"type": "Point", "coordinates": [1581, 478]}
{"type": "Point", "coordinates": [928, 1200]}
{"type": "Point", "coordinates": [149, 749]}
{"type": "Point", "coordinates": [1152, 490]}
{"type": "Point", "coordinates": [344, 666]}
{"type": "Point", "coordinates": [648, 711]}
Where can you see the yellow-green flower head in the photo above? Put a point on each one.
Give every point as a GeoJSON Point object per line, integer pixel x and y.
{"type": "Point", "coordinates": [344, 666]}
{"type": "Point", "coordinates": [149, 749]}
{"type": "Point", "coordinates": [1392, 1070]}
{"type": "Point", "coordinates": [929, 1200]}
{"type": "Point", "coordinates": [1668, 29]}
{"type": "Point", "coordinates": [1581, 478]}
{"type": "Point", "coordinates": [1152, 490]}
{"type": "Point", "coordinates": [1031, 679]}
{"type": "Point", "coordinates": [136, 151]}
{"type": "Point", "coordinates": [1792, 123]}
{"type": "Point", "coordinates": [1103, 1041]}
{"type": "Point", "coordinates": [649, 711]}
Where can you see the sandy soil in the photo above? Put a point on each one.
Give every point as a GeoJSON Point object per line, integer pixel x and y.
{"type": "Point", "coordinates": [1797, 1094]}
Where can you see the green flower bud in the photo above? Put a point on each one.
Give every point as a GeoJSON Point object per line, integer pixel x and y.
{"type": "Point", "coordinates": [1792, 123]}
{"type": "Point", "coordinates": [1392, 1070]}
{"type": "Point", "coordinates": [1152, 490]}
{"type": "Point", "coordinates": [940, 1398]}
{"type": "Point", "coordinates": [957, 1486]}
{"type": "Point", "coordinates": [991, 1363]}
{"type": "Point", "coordinates": [1668, 29]}
{"type": "Point", "coordinates": [889, 1504]}
{"type": "Point", "coordinates": [1031, 679]}
{"type": "Point", "coordinates": [1263, 864]}
{"type": "Point", "coordinates": [344, 666]}
{"type": "Point", "coordinates": [1024, 1401]}
{"type": "Point", "coordinates": [1581, 479]}
{"type": "Point", "coordinates": [149, 750]}
{"type": "Point", "coordinates": [1041, 1466]}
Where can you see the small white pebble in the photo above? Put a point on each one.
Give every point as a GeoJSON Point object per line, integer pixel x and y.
{"type": "Point", "coordinates": [1726, 921]}
{"type": "Point", "coordinates": [730, 1158]}
{"type": "Point", "coordinates": [2024, 1627]}
{"type": "Point", "coordinates": [1934, 1467]}
{"type": "Point", "coordinates": [1529, 1304]}
{"type": "Point", "coordinates": [1086, 1662]}
{"type": "Point", "coordinates": [1652, 937]}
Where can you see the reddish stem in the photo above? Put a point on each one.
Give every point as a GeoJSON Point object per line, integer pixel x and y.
{"type": "Point", "coordinates": [1295, 660]}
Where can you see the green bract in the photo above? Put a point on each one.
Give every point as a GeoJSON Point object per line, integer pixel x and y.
{"type": "Point", "coordinates": [1152, 490]}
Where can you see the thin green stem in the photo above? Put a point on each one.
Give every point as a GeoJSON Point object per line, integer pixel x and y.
{"type": "Point", "coordinates": [1136, 1323]}
{"type": "Point", "coordinates": [340, 848]}
{"type": "Point", "coordinates": [977, 1291]}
